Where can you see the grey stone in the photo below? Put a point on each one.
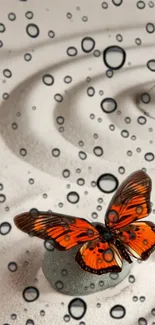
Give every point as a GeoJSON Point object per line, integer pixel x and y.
{"type": "Point", "coordinates": [66, 276]}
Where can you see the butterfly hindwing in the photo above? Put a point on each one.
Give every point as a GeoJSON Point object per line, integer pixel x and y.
{"type": "Point", "coordinates": [139, 238]}
{"type": "Point", "coordinates": [99, 257]}
{"type": "Point", "coordinates": [66, 231]}
{"type": "Point", "coordinates": [130, 202]}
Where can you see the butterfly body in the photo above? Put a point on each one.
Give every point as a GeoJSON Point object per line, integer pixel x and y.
{"type": "Point", "coordinates": [105, 233]}
{"type": "Point", "coordinates": [103, 246]}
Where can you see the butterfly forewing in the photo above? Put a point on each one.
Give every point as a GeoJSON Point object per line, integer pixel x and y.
{"type": "Point", "coordinates": [130, 202]}
{"type": "Point", "coordinates": [66, 231]}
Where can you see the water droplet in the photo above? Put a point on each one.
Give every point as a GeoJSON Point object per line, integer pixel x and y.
{"type": "Point", "coordinates": [60, 120]}
{"type": "Point", "coordinates": [66, 173]}
{"type": "Point", "coordinates": [29, 322]}
{"type": "Point", "coordinates": [77, 308]}
{"type": "Point", "coordinates": [32, 30]}
{"type": "Point", "coordinates": [149, 156]}
{"type": "Point", "coordinates": [49, 245]}
{"type": "Point", "coordinates": [56, 152]}
{"type": "Point", "coordinates": [114, 57]}
{"type": "Point", "coordinates": [142, 298]}
{"type": "Point", "coordinates": [117, 311]}
{"type": "Point", "coordinates": [114, 276]}
{"type": "Point", "coordinates": [13, 316]}
{"type": "Point", "coordinates": [150, 28]}
{"type": "Point", "coordinates": [58, 98]}
{"type": "Point", "coordinates": [101, 283]}
{"type": "Point", "coordinates": [23, 152]}
{"type": "Point", "coordinates": [151, 65]}
{"type": "Point", "coordinates": [30, 294]}
{"type": "Point", "coordinates": [153, 311]}
{"type": "Point", "coordinates": [108, 105]}
{"type": "Point", "coordinates": [82, 155]}
{"type": "Point", "coordinates": [142, 321]}
{"type": "Point", "coordinates": [90, 91]}
{"type": "Point", "coordinates": [107, 183]}
{"type": "Point", "coordinates": [72, 51]}
{"type": "Point", "coordinates": [73, 197]}
{"type": "Point", "coordinates": [5, 228]}
{"type": "Point", "coordinates": [87, 44]}
{"type": "Point", "coordinates": [140, 4]}
{"type": "Point", "coordinates": [42, 312]}
{"type": "Point", "coordinates": [48, 79]}
{"type": "Point", "coordinates": [12, 16]}
{"type": "Point", "coordinates": [12, 266]}
{"type": "Point", "coordinates": [51, 34]}
{"type": "Point", "coordinates": [59, 285]}
{"type": "Point", "coordinates": [2, 198]}
{"type": "Point", "coordinates": [98, 151]}
{"type": "Point", "coordinates": [7, 73]}
{"type": "Point", "coordinates": [29, 15]}
{"type": "Point", "coordinates": [117, 2]}
{"type": "Point", "coordinates": [66, 318]}
{"type": "Point", "coordinates": [142, 120]}
{"type": "Point", "coordinates": [131, 278]}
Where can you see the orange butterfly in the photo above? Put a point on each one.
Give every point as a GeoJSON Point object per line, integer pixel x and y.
{"type": "Point", "coordinates": [103, 246]}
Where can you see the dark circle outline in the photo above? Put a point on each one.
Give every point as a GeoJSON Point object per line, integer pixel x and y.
{"type": "Point", "coordinates": [2, 196]}
{"type": "Point", "coordinates": [32, 25]}
{"type": "Point", "coordinates": [14, 16]}
{"type": "Point", "coordinates": [107, 174]}
{"type": "Point", "coordinates": [48, 75]}
{"type": "Point", "coordinates": [57, 150]}
{"type": "Point", "coordinates": [92, 89]}
{"type": "Point", "coordinates": [67, 76]}
{"type": "Point", "coordinates": [30, 320]}
{"type": "Point", "coordinates": [73, 192]}
{"type": "Point", "coordinates": [29, 55]}
{"type": "Point", "coordinates": [142, 318]}
{"type": "Point", "coordinates": [49, 33]}
{"type": "Point", "coordinates": [127, 132]}
{"type": "Point", "coordinates": [10, 227]}
{"type": "Point", "coordinates": [72, 47]}
{"type": "Point", "coordinates": [108, 99]}
{"type": "Point", "coordinates": [31, 287]}
{"type": "Point", "coordinates": [88, 38]}
{"type": "Point", "coordinates": [148, 96]}
{"type": "Point", "coordinates": [143, 118]}
{"type": "Point", "coordinates": [147, 30]}
{"type": "Point", "coordinates": [104, 57]}
{"type": "Point", "coordinates": [1, 24]}
{"type": "Point", "coordinates": [58, 101]}
{"type": "Point", "coordinates": [103, 3]}
{"type": "Point", "coordinates": [8, 70]}
{"type": "Point", "coordinates": [117, 4]}
{"type": "Point", "coordinates": [111, 310]}
{"type": "Point", "coordinates": [13, 263]}
{"type": "Point", "coordinates": [98, 147]}
{"type": "Point", "coordinates": [151, 154]}
{"type": "Point", "coordinates": [70, 304]}
{"type": "Point", "coordinates": [143, 4]}
{"type": "Point", "coordinates": [107, 73]}
{"type": "Point", "coordinates": [148, 65]}
{"type": "Point", "coordinates": [27, 12]}
{"type": "Point", "coordinates": [81, 151]}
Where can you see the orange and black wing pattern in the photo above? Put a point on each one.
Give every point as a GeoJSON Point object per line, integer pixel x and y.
{"type": "Point", "coordinates": [66, 231]}
{"type": "Point", "coordinates": [130, 202]}
{"type": "Point", "coordinates": [99, 257]}
{"type": "Point", "coordinates": [139, 239]}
